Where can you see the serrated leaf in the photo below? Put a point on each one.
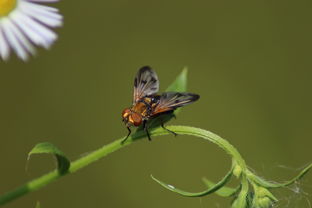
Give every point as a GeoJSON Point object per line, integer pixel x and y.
{"type": "Point", "coordinates": [224, 191]}
{"type": "Point", "coordinates": [63, 163]}
{"type": "Point", "coordinates": [212, 189]}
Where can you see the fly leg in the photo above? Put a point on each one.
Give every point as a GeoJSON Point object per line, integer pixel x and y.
{"type": "Point", "coordinates": [146, 130]}
{"type": "Point", "coordinates": [129, 132]}
{"type": "Point", "coordinates": [162, 125]}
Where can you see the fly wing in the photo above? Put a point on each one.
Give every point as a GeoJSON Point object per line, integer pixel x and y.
{"type": "Point", "coordinates": [145, 83]}
{"type": "Point", "coordinates": [172, 100]}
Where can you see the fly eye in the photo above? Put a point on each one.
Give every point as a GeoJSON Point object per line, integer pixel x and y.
{"type": "Point", "coordinates": [125, 112]}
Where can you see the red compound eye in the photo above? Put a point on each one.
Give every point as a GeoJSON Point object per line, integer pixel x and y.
{"type": "Point", "coordinates": [125, 113]}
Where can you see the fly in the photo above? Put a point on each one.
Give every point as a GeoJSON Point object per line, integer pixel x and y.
{"type": "Point", "coordinates": [147, 104]}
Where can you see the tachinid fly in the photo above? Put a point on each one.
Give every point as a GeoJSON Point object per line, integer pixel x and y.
{"type": "Point", "coordinates": [147, 104]}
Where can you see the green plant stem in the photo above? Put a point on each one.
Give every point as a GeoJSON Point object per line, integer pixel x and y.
{"type": "Point", "coordinates": [107, 149]}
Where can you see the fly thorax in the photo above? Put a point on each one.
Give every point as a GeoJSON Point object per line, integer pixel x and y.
{"type": "Point", "coordinates": [139, 108]}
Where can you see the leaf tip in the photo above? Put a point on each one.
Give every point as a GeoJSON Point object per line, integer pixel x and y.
{"type": "Point", "coordinates": [185, 70]}
{"type": "Point", "coordinates": [48, 148]}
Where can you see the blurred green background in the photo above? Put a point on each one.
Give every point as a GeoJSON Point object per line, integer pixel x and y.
{"type": "Point", "coordinates": [249, 60]}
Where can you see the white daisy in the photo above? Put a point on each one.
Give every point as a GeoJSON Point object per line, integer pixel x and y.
{"type": "Point", "coordinates": [26, 23]}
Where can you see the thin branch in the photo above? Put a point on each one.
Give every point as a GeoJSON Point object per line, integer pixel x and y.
{"type": "Point", "coordinates": [112, 147]}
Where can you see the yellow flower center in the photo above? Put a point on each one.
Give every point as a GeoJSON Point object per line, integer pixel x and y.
{"type": "Point", "coordinates": [6, 6]}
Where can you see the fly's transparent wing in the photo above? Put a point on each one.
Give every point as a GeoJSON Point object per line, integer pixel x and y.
{"type": "Point", "coordinates": [145, 83]}
{"type": "Point", "coordinates": [172, 100]}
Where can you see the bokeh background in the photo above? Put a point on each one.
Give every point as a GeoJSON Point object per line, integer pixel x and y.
{"type": "Point", "coordinates": [249, 60]}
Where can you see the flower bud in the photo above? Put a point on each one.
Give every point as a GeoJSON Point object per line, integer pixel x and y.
{"type": "Point", "coordinates": [237, 171]}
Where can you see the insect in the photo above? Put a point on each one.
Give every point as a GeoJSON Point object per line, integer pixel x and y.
{"type": "Point", "coordinates": [147, 104]}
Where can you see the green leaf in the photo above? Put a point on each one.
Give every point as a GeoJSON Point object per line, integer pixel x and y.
{"type": "Point", "coordinates": [212, 189]}
{"type": "Point", "coordinates": [267, 184]}
{"type": "Point", "coordinates": [180, 83]}
{"type": "Point", "coordinates": [38, 204]}
{"type": "Point", "coordinates": [242, 199]}
{"type": "Point", "coordinates": [63, 163]}
{"type": "Point", "coordinates": [225, 191]}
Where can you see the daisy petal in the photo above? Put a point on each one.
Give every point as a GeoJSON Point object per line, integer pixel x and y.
{"type": "Point", "coordinates": [27, 25]}
{"type": "Point", "coordinates": [41, 7]}
{"type": "Point", "coordinates": [4, 47]}
{"type": "Point", "coordinates": [12, 40]}
{"type": "Point", "coordinates": [48, 35]}
{"type": "Point", "coordinates": [43, 1]}
{"type": "Point", "coordinates": [24, 42]}
{"type": "Point", "coordinates": [50, 19]}
{"type": "Point", "coordinates": [29, 31]}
